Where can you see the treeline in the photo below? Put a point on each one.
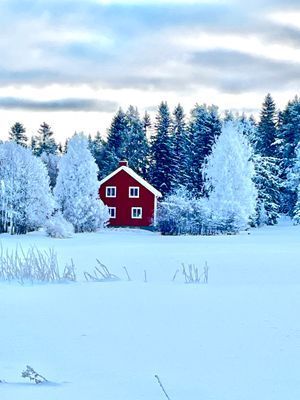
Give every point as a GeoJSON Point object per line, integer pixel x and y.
{"type": "Point", "coordinates": [171, 152]}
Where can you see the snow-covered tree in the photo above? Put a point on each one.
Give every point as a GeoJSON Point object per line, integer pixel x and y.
{"type": "Point", "coordinates": [288, 139]}
{"type": "Point", "coordinates": [268, 183]}
{"type": "Point", "coordinates": [25, 197]}
{"type": "Point", "coordinates": [162, 155]}
{"type": "Point", "coordinates": [146, 123]}
{"type": "Point", "coordinates": [17, 134]}
{"type": "Point", "coordinates": [248, 128]}
{"type": "Point", "coordinates": [229, 174]}
{"type": "Point", "coordinates": [293, 184]}
{"type": "Point", "coordinates": [77, 186]}
{"type": "Point", "coordinates": [44, 141]}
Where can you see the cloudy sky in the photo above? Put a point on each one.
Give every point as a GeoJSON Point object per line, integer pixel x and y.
{"type": "Point", "coordinates": [73, 63]}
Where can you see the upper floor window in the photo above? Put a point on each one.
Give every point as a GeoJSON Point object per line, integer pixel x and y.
{"type": "Point", "coordinates": [111, 191]}
{"type": "Point", "coordinates": [134, 191]}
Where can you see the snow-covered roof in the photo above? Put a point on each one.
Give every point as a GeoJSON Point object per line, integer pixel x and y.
{"type": "Point", "coordinates": [135, 176]}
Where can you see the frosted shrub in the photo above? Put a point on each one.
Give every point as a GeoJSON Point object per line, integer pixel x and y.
{"type": "Point", "coordinates": [33, 266]}
{"type": "Point", "coordinates": [58, 227]}
{"type": "Point", "coordinates": [101, 274]}
{"type": "Point", "coordinates": [180, 214]}
{"type": "Point", "coordinates": [175, 214]}
{"type": "Point", "coordinates": [31, 374]}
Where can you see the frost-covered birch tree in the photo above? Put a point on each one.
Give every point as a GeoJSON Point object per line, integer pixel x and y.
{"type": "Point", "coordinates": [76, 190]}
{"type": "Point", "coordinates": [229, 174]}
{"type": "Point", "coordinates": [25, 197]}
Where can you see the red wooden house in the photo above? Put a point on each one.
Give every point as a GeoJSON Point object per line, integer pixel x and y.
{"type": "Point", "coordinates": [130, 199]}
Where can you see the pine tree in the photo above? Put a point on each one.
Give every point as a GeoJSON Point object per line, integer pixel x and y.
{"type": "Point", "coordinates": [17, 134]}
{"type": "Point", "coordinates": [77, 187]}
{"type": "Point", "coordinates": [44, 141]}
{"type": "Point", "coordinates": [229, 174]}
{"type": "Point", "coordinates": [162, 162]}
{"type": "Point", "coordinates": [267, 130]}
{"type": "Point", "coordinates": [181, 146]}
{"type": "Point", "coordinates": [137, 150]}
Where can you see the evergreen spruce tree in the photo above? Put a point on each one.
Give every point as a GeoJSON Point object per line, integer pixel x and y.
{"type": "Point", "coordinates": [266, 138]}
{"type": "Point", "coordinates": [205, 127]}
{"type": "Point", "coordinates": [146, 123]}
{"type": "Point", "coordinates": [137, 150]}
{"type": "Point", "coordinates": [162, 161]}
{"type": "Point", "coordinates": [51, 162]}
{"type": "Point", "coordinates": [294, 184]}
{"type": "Point", "coordinates": [268, 183]}
{"type": "Point", "coordinates": [97, 147]}
{"type": "Point", "coordinates": [116, 144]}
{"type": "Point", "coordinates": [248, 127]}
{"type": "Point", "coordinates": [17, 134]}
{"type": "Point", "coordinates": [181, 147]}
{"type": "Point", "coordinates": [288, 139]}
{"type": "Point", "coordinates": [44, 141]}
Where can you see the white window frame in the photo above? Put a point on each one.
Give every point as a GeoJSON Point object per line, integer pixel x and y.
{"type": "Point", "coordinates": [134, 188]}
{"type": "Point", "coordinates": [110, 187]}
{"type": "Point", "coordinates": [115, 212]}
{"type": "Point", "coordinates": [132, 212]}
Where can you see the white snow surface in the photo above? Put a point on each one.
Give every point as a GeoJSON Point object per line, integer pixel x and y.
{"type": "Point", "coordinates": [236, 338]}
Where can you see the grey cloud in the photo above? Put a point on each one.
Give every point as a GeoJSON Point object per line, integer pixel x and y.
{"type": "Point", "coordinates": [139, 49]}
{"type": "Point", "coordinates": [70, 104]}
{"type": "Point", "coordinates": [237, 72]}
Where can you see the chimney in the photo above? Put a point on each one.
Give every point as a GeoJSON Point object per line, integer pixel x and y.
{"type": "Point", "coordinates": [123, 163]}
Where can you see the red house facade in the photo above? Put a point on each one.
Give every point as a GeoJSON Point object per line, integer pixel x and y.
{"type": "Point", "coordinates": [130, 199]}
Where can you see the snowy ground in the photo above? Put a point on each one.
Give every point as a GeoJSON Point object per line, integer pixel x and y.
{"type": "Point", "coordinates": [237, 338]}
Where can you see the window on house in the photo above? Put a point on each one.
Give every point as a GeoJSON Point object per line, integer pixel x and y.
{"type": "Point", "coordinates": [112, 212]}
{"type": "Point", "coordinates": [136, 212]}
{"type": "Point", "coordinates": [134, 191]}
{"type": "Point", "coordinates": [111, 191]}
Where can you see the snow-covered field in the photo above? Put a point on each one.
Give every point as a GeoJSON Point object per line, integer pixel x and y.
{"type": "Point", "coordinates": [237, 338]}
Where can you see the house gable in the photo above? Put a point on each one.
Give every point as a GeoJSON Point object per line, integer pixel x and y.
{"type": "Point", "coordinates": [135, 176]}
